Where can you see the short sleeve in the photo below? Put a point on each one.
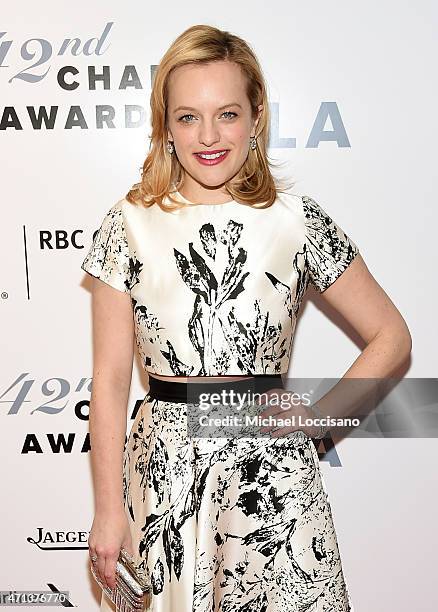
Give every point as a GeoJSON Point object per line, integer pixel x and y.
{"type": "Point", "coordinates": [329, 250]}
{"type": "Point", "coordinates": [108, 256]}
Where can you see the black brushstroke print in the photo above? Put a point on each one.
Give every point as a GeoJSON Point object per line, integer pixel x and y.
{"type": "Point", "coordinates": [267, 495]}
{"type": "Point", "coordinates": [134, 270]}
{"type": "Point", "coordinates": [199, 278]}
{"type": "Point", "coordinates": [223, 338]}
{"type": "Point", "coordinates": [254, 341]}
{"type": "Point", "coordinates": [329, 250]}
{"type": "Point", "coordinates": [109, 256]}
{"type": "Point", "coordinates": [249, 343]}
{"type": "Point", "coordinates": [246, 522]}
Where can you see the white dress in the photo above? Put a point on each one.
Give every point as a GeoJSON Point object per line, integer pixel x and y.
{"type": "Point", "coordinates": [224, 525]}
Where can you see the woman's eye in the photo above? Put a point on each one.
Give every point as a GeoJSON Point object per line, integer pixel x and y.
{"type": "Point", "coordinates": [184, 119]}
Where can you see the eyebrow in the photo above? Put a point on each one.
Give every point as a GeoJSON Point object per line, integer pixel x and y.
{"type": "Point", "coordinates": [194, 109]}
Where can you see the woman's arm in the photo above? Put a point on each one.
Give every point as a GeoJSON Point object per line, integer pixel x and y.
{"type": "Point", "coordinates": [113, 334]}
{"type": "Point", "coordinates": [113, 330]}
{"type": "Point", "coordinates": [362, 302]}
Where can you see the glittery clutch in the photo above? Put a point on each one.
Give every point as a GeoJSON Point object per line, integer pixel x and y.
{"type": "Point", "coordinates": [132, 593]}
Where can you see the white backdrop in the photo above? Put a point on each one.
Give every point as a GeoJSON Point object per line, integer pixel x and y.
{"type": "Point", "coordinates": [353, 104]}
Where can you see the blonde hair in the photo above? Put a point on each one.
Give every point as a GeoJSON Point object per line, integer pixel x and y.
{"type": "Point", "coordinates": [162, 172]}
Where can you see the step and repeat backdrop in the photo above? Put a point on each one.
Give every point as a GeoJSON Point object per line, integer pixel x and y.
{"type": "Point", "coordinates": [352, 103]}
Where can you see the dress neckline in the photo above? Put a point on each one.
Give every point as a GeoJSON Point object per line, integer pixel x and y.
{"type": "Point", "coordinates": [178, 194]}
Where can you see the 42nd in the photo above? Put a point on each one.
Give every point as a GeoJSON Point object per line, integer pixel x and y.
{"type": "Point", "coordinates": [41, 50]}
{"type": "Point", "coordinates": [56, 389]}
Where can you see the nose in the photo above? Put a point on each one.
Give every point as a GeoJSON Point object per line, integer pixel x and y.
{"type": "Point", "coordinates": [208, 133]}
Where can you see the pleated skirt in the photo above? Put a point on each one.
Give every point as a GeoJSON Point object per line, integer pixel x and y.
{"type": "Point", "coordinates": [223, 524]}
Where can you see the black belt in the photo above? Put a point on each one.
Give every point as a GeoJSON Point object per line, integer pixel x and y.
{"type": "Point", "coordinates": [182, 392]}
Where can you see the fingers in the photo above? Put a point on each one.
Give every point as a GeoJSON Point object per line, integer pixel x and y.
{"type": "Point", "coordinates": [93, 558]}
{"type": "Point", "coordinates": [105, 566]}
{"type": "Point", "coordinates": [276, 401]}
{"type": "Point", "coordinates": [288, 411]}
{"type": "Point", "coordinates": [110, 570]}
{"type": "Point", "coordinates": [110, 530]}
{"type": "Point", "coordinates": [127, 545]}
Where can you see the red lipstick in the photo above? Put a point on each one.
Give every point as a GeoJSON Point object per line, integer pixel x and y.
{"type": "Point", "coordinates": [219, 156]}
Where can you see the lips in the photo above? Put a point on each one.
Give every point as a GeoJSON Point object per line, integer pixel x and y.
{"type": "Point", "coordinates": [211, 161]}
{"type": "Point", "coordinates": [210, 152]}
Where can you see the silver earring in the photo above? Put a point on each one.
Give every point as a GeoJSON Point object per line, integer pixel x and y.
{"type": "Point", "coordinates": [253, 142]}
{"type": "Point", "coordinates": [170, 147]}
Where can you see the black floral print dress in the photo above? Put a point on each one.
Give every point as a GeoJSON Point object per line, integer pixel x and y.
{"type": "Point", "coordinates": [224, 525]}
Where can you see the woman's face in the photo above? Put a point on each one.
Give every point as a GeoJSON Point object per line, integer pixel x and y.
{"type": "Point", "coordinates": [209, 112]}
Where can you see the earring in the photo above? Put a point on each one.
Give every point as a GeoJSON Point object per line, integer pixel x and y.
{"type": "Point", "coordinates": [170, 147]}
{"type": "Point", "coordinates": [253, 142]}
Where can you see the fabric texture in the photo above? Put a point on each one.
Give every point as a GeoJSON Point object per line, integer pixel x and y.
{"type": "Point", "coordinates": [216, 289]}
{"type": "Point", "coordinates": [217, 524]}
{"type": "Point", "coordinates": [229, 525]}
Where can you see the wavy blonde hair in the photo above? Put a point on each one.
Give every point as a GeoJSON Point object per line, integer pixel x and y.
{"type": "Point", "coordinates": [162, 172]}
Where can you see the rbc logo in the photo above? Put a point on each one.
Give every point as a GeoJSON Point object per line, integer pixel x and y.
{"type": "Point", "coordinates": [59, 239]}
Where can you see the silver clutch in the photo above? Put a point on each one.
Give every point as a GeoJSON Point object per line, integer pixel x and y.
{"type": "Point", "coordinates": [132, 592]}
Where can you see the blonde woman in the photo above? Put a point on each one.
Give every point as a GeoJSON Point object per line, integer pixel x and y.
{"type": "Point", "coordinates": [205, 263]}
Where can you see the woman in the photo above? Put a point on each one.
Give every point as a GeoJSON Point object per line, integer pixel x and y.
{"type": "Point", "coordinates": [206, 262]}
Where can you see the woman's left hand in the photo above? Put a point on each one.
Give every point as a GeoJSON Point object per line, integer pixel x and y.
{"type": "Point", "coordinates": [284, 408]}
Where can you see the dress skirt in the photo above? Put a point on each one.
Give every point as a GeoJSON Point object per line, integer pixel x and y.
{"type": "Point", "coordinates": [228, 524]}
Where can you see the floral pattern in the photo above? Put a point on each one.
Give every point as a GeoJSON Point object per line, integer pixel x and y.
{"type": "Point", "coordinates": [329, 250]}
{"type": "Point", "coordinates": [225, 326]}
{"type": "Point", "coordinates": [109, 258]}
{"type": "Point", "coordinates": [224, 525]}
{"type": "Point", "coordinates": [247, 342]}
{"type": "Point", "coordinates": [229, 525]}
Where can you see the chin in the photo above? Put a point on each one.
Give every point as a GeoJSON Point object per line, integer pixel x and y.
{"type": "Point", "coordinates": [214, 181]}
{"type": "Point", "coordinates": [213, 177]}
